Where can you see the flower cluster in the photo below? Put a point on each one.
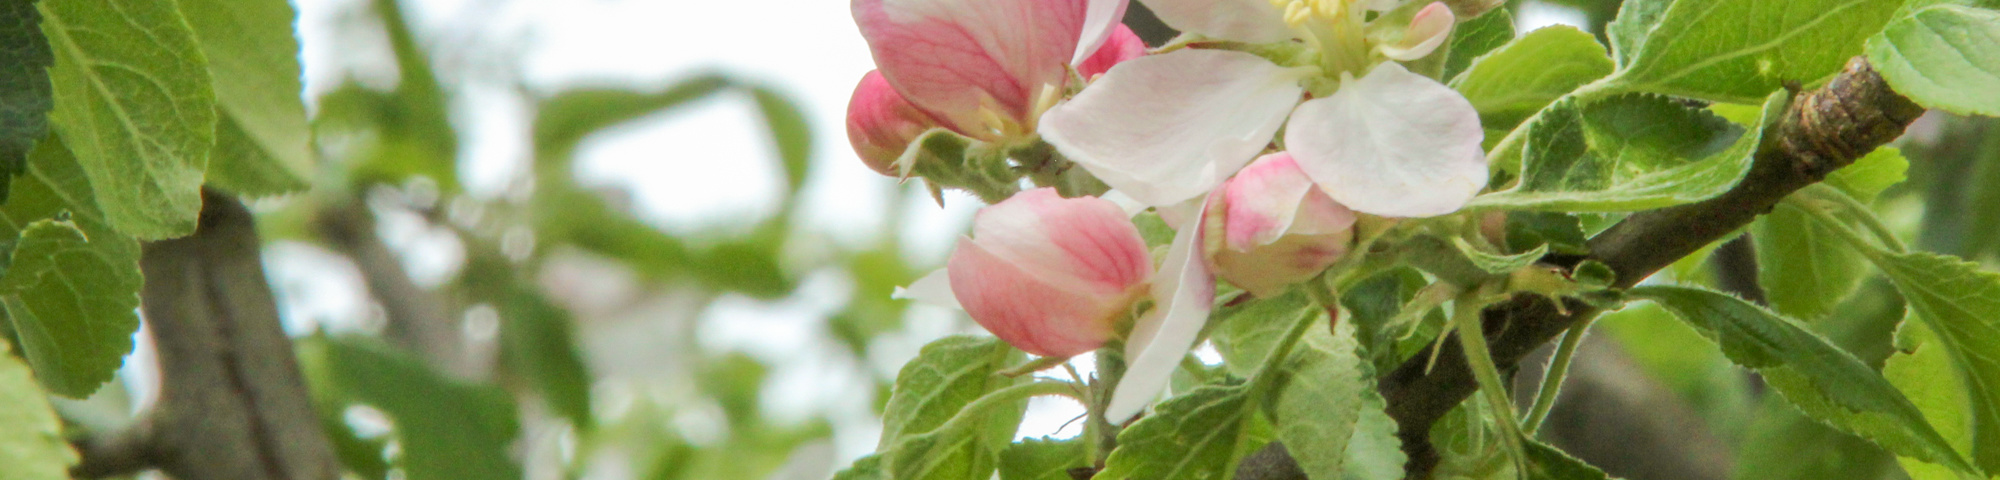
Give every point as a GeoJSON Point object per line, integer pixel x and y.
{"type": "Point", "coordinates": [1261, 136]}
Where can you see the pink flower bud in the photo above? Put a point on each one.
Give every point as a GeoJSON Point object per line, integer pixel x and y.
{"type": "Point", "coordinates": [1428, 30]}
{"type": "Point", "coordinates": [1278, 228]}
{"type": "Point", "coordinates": [1120, 46]}
{"type": "Point", "coordinates": [1050, 275]}
{"type": "Point", "coordinates": [881, 124]}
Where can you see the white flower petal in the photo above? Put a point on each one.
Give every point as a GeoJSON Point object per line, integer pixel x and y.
{"type": "Point", "coordinates": [1098, 21]}
{"type": "Point", "coordinates": [1254, 21]}
{"type": "Point", "coordinates": [1184, 291]}
{"type": "Point", "coordinates": [1165, 128]}
{"type": "Point", "coordinates": [1393, 143]}
{"type": "Point", "coordinates": [933, 289]}
{"type": "Point", "coordinates": [1131, 206]}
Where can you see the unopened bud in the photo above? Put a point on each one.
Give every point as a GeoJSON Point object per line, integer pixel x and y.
{"type": "Point", "coordinates": [881, 124]}
{"type": "Point", "coordinates": [1052, 276]}
{"type": "Point", "coordinates": [1278, 228]}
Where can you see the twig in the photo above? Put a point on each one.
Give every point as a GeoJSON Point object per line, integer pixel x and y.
{"type": "Point", "coordinates": [417, 319]}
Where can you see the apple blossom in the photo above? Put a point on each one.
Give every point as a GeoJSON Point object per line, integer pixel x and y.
{"type": "Point", "coordinates": [1050, 275]}
{"type": "Point", "coordinates": [984, 68]}
{"type": "Point", "coordinates": [1165, 128]}
{"type": "Point", "coordinates": [1278, 229]}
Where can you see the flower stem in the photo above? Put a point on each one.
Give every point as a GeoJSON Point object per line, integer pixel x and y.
{"type": "Point", "coordinates": [1553, 380]}
{"type": "Point", "coordinates": [1472, 338]}
{"type": "Point", "coordinates": [1267, 373]}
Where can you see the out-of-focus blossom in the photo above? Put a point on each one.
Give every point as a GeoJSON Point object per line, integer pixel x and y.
{"type": "Point", "coordinates": [1277, 227]}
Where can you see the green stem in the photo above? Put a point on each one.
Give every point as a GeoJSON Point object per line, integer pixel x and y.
{"type": "Point", "coordinates": [1553, 380]}
{"type": "Point", "coordinates": [1862, 212]}
{"type": "Point", "coordinates": [1266, 373]}
{"type": "Point", "coordinates": [977, 409]}
{"type": "Point", "coordinates": [1472, 338]}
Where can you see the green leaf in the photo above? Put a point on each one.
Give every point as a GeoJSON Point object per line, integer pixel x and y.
{"type": "Point", "coordinates": [1042, 459]}
{"type": "Point", "coordinates": [134, 102]}
{"type": "Point", "coordinates": [1822, 380]}
{"type": "Point", "coordinates": [1776, 432]}
{"type": "Point", "coordinates": [1961, 305]}
{"type": "Point", "coordinates": [1548, 463]}
{"type": "Point", "coordinates": [789, 132]}
{"type": "Point", "coordinates": [954, 452]}
{"type": "Point", "coordinates": [1199, 434]}
{"type": "Point", "coordinates": [1742, 50]}
{"type": "Point", "coordinates": [72, 290]}
{"type": "Point", "coordinates": [262, 143]}
{"type": "Point", "coordinates": [1374, 453]}
{"type": "Point", "coordinates": [1460, 263]}
{"type": "Point", "coordinates": [1945, 57]}
{"type": "Point", "coordinates": [1626, 153]}
{"type": "Point", "coordinates": [1512, 83]}
{"type": "Point", "coordinates": [446, 429]}
{"type": "Point", "coordinates": [25, 95]}
{"type": "Point", "coordinates": [1636, 19]}
{"type": "Point", "coordinates": [31, 440]}
{"type": "Point", "coordinates": [1805, 267]}
{"type": "Point", "coordinates": [1869, 176]}
{"type": "Point", "coordinates": [538, 340]}
{"type": "Point", "coordinates": [1245, 335]}
{"type": "Point", "coordinates": [865, 468]}
{"type": "Point", "coordinates": [947, 375]}
{"type": "Point", "coordinates": [1922, 369]}
{"type": "Point", "coordinates": [567, 118]}
{"type": "Point", "coordinates": [1560, 232]}
{"type": "Point", "coordinates": [1475, 37]}
{"type": "Point", "coordinates": [1322, 399]}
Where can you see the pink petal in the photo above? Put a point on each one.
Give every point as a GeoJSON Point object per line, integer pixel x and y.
{"type": "Point", "coordinates": [954, 57]}
{"type": "Point", "coordinates": [1183, 292]}
{"type": "Point", "coordinates": [880, 124]}
{"type": "Point", "coordinates": [1428, 29]}
{"type": "Point", "coordinates": [1027, 312]}
{"type": "Point", "coordinates": [1253, 21]}
{"type": "Point", "coordinates": [1085, 241]}
{"type": "Point", "coordinates": [1393, 143]}
{"type": "Point", "coordinates": [1121, 46]}
{"type": "Point", "coordinates": [1280, 228]}
{"type": "Point", "coordinates": [1262, 200]}
{"type": "Point", "coordinates": [1101, 22]}
{"type": "Point", "coordinates": [1166, 128]}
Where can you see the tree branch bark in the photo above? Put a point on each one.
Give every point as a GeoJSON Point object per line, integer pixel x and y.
{"type": "Point", "coordinates": [233, 405]}
{"type": "Point", "coordinates": [418, 321]}
{"type": "Point", "coordinates": [1821, 131]}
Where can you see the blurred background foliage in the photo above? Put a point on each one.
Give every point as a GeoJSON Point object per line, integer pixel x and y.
{"type": "Point", "coordinates": [554, 329]}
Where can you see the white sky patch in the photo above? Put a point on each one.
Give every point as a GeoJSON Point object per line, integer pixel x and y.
{"type": "Point", "coordinates": [1529, 16]}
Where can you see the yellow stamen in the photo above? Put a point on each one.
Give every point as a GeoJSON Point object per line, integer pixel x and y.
{"type": "Point", "coordinates": [1301, 12]}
